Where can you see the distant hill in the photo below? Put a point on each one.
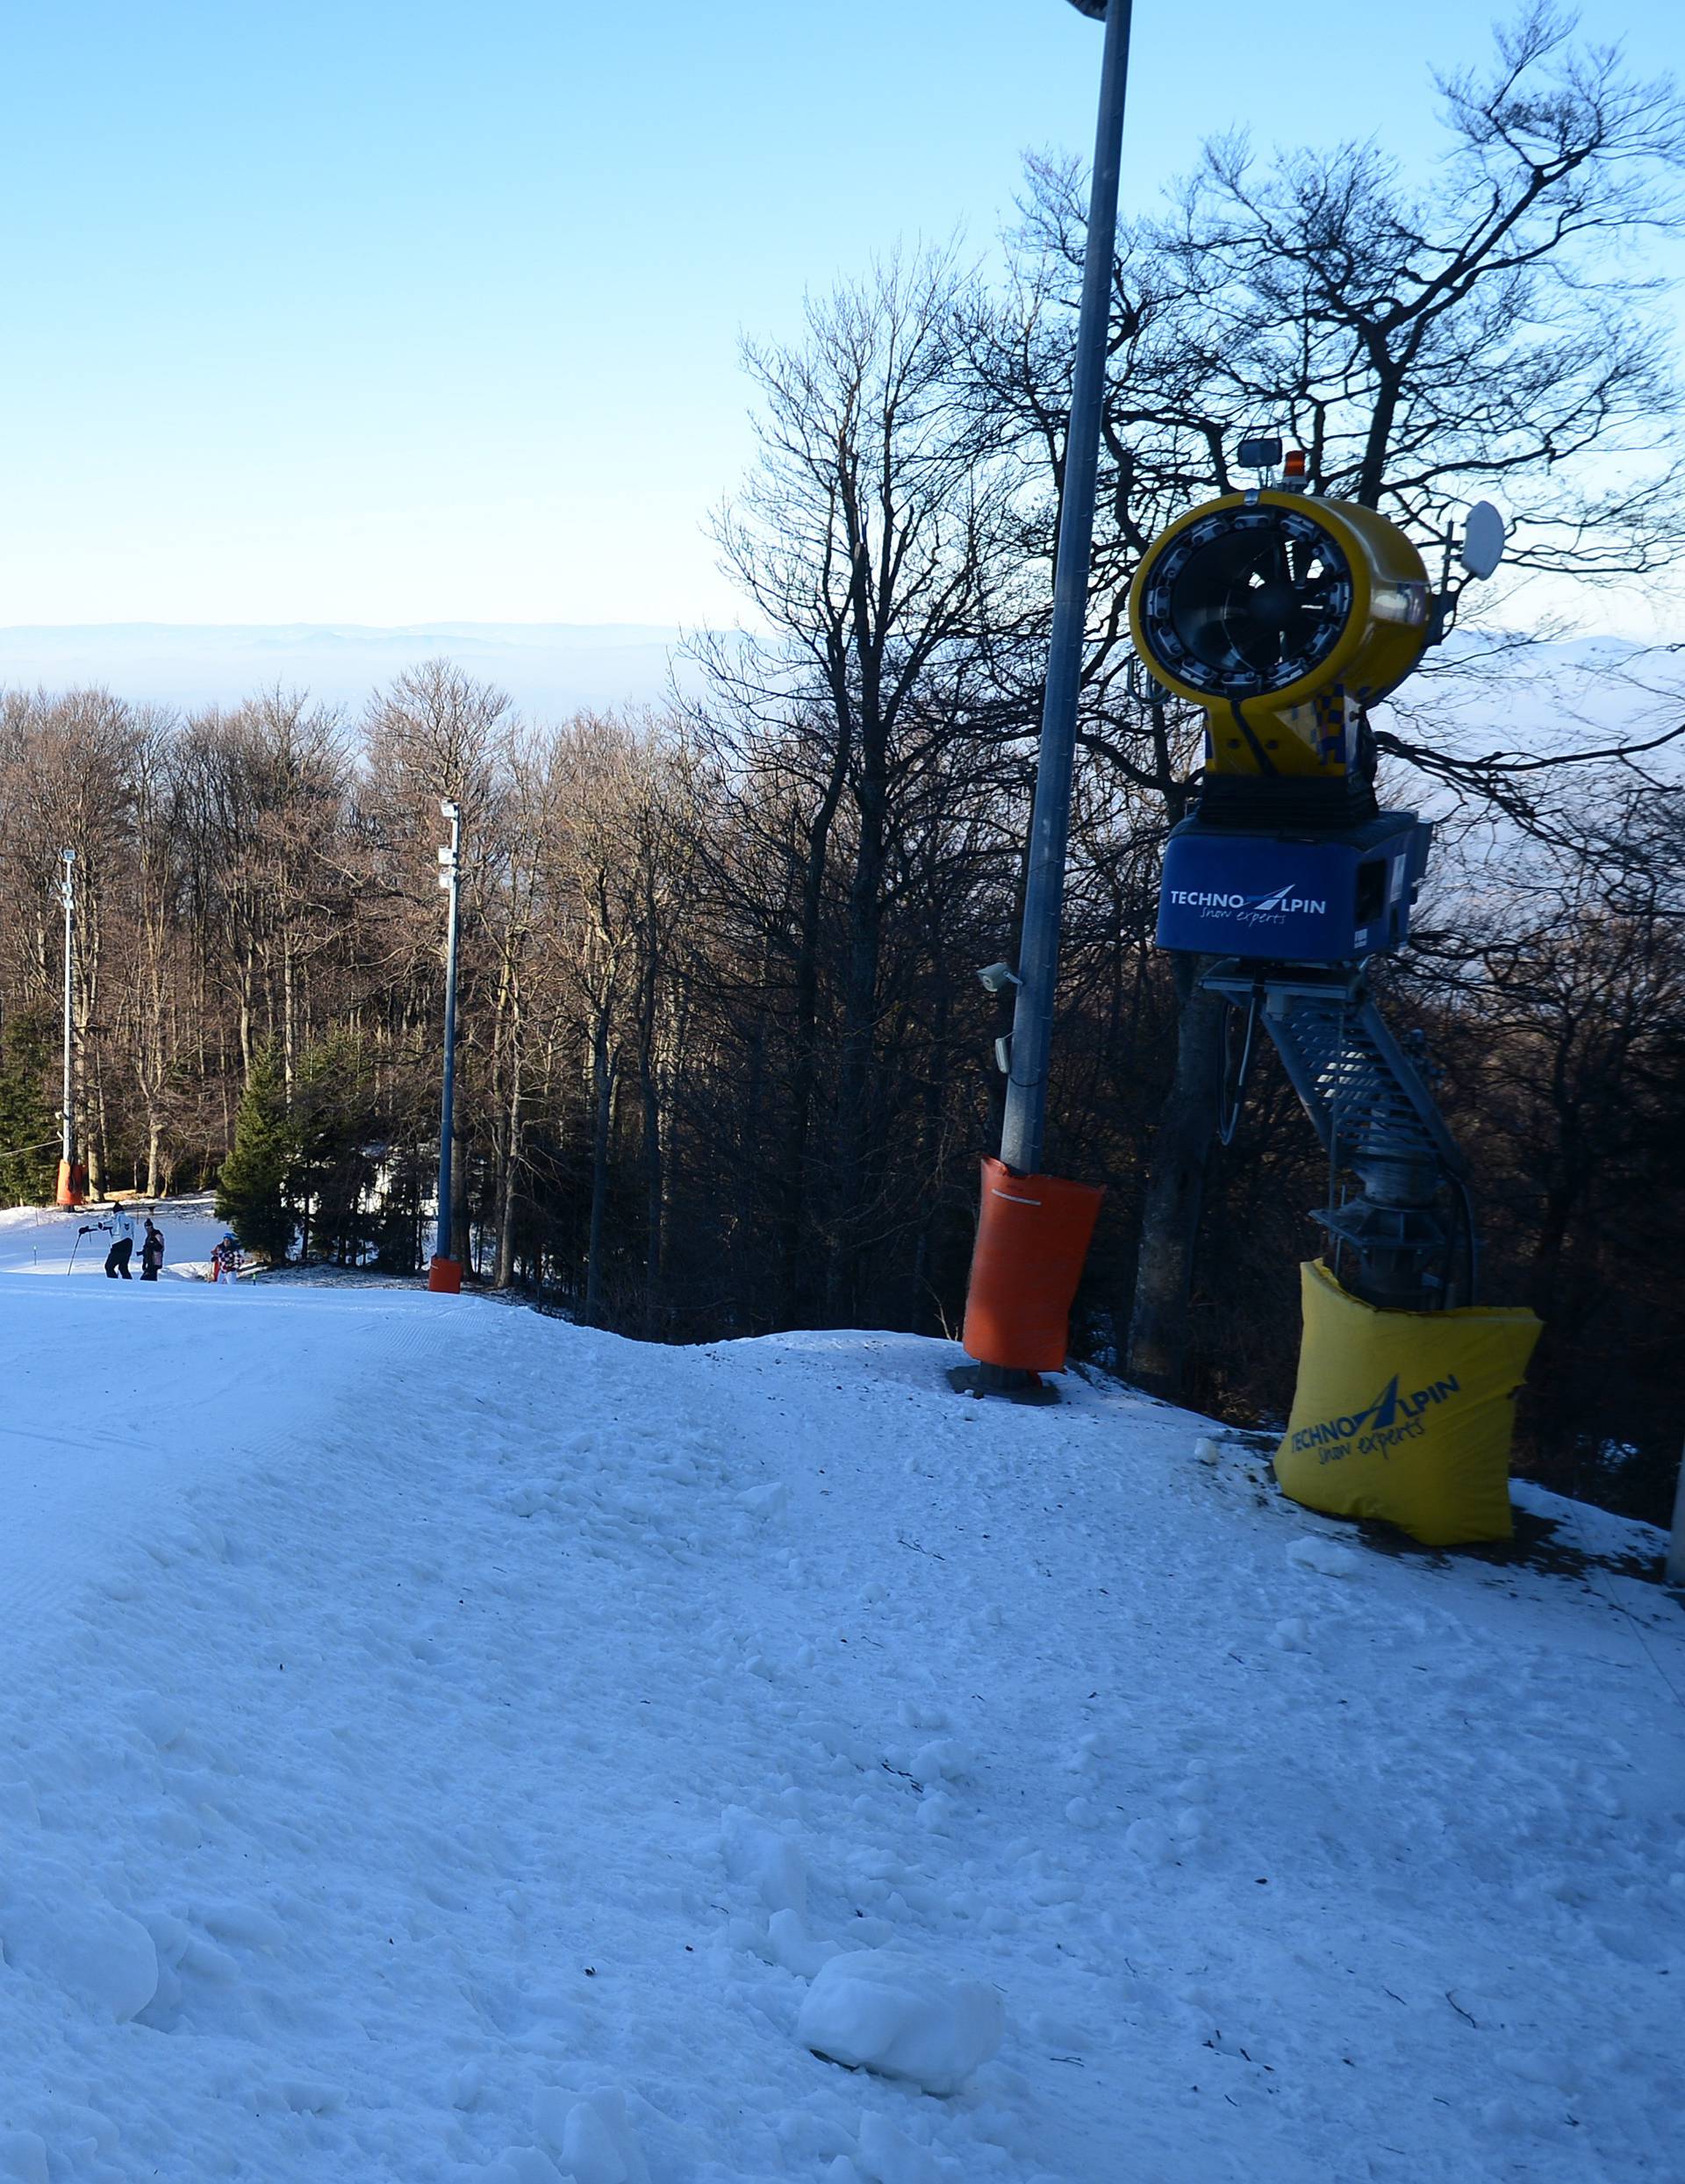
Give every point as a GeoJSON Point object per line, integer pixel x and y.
{"type": "Point", "coordinates": [548, 668]}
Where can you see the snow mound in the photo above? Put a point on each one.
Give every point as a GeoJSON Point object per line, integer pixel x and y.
{"type": "Point", "coordinates": [769, 1862]}
{"type": "Point", "coordinates": [881, 2011]}
{"type": "Point", "coordinates": [1326, 1556]}
{"type": "Point", "coordinates": [593, 2138]}
{"type": "Point", "coordinates": [94, 1953]}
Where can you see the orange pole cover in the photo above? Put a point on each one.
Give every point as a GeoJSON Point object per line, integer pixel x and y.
{"type": "Point", "coordinates": [446, 1276]}
{"type": "Point", "coordinates": [1033, 1233]}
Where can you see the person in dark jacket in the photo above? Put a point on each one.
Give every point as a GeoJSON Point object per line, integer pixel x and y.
{"type": "Point", "coordinates": [152, 1251]}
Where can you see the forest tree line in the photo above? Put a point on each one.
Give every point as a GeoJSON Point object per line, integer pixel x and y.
{"type": "Point", "coordinates": [724, 1064]}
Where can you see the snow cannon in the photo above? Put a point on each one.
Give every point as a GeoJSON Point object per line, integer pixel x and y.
{"type": "Point", "coordinates": [1285, 618]}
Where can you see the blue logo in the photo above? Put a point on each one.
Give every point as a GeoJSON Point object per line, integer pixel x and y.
{"type": "Point", "coordinates": [1379, 1427]}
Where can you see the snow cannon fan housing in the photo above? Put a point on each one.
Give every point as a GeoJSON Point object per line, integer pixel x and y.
{"type": "Point", "coordinates": [1284, 618]}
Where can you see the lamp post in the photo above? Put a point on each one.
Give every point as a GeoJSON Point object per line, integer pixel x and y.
{"type": "Point", "coordinates": [1024, 1125]}
{"type": "Point", "coordinates": [69, 1192]}
{"type": "Point", "coordinates": [445, 1273]}
{"type": "Point", "coordinates": [1033, 1229]}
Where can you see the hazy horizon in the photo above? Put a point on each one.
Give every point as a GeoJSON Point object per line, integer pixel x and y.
{"type": "Point", "coordinates": [551, 670]}
{"type": "Point", "coordinates": [545, 667]}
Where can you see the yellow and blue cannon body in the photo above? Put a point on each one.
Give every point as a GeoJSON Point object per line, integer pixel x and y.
{"type": "Point", "coordinates": [1284, 618]}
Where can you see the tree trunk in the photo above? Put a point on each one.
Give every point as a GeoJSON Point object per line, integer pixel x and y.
{"type": "Point", "coordinates": [506, 1272]}
{"type": "Point", "coordinates": [461, 1240]}
{"type": "Point", "coordinates": [1170, 1221]}
{"type": "Point", "coordinates": [655, 1194]}
{"type": "Point", "coordinates": [793, 1282]}
{"type": "Point", "coordinates": [859, 1027]}
{"type": "Point", "coordinates": [603, 1088]}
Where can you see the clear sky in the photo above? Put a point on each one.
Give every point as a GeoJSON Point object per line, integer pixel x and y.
{"type": "Point", "coordinates": [381, 312]}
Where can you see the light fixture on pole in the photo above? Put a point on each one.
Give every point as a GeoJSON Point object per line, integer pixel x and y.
{"type": "Point", "coordinates": [445, 1272]}
{"type": "Point", "coordinates": [72, 1179]}
{"type": "Point", "coordinates": [1034, 1230]}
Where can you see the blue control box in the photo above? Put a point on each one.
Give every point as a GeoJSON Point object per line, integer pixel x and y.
{"type": "Point", "coordinates": [1292, 898]}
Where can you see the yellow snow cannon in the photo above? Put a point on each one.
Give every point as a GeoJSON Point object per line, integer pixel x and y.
{"type": "Point", "coordinates": [1284, 618]}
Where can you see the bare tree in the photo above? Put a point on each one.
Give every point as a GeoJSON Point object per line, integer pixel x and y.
{"type": "Point", "coordinates": [873, 541]}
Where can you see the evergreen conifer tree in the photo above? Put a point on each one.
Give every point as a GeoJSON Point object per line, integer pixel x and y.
{"type": "Point", "coordinates": [252, 1189]}
{"type": "Point", "coordinates": [29, 1127]}
{"type": "Point", "coordinates": [333, 1121]}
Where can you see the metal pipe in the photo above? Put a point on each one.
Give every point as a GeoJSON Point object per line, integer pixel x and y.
{"type": "Point", "coordinates": [1024, 1125]}
{"type": "Point", "coordinates": [451, 878]}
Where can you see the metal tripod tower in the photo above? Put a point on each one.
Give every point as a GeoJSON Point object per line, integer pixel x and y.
{"type": "Point", "coordinates": [1409, 1234]}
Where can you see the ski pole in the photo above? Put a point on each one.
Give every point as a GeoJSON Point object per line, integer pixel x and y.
{"type": "Point", "coordinates": [71, 1261]}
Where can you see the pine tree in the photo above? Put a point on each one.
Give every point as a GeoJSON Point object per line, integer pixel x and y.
{"type": "Point", "coordinates": [29, 1129]}
{"type": "Point", "coordinates": [332, 1124]}
{"type": "Point", "coordinates": [252, 1189]}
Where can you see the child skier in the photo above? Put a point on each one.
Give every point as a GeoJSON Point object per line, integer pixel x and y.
{"type": "Point", "coordinates": [152, 1251]}
{"type": "Point", "coordinates": [224, 1260]}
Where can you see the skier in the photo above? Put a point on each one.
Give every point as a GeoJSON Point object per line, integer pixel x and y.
{"type": "Point", "coordinates": [224, 1260]}
{"type": "Point", "coordinates": [152, 1252]}
{"type": "Point", "coordinates": [122, 1235]}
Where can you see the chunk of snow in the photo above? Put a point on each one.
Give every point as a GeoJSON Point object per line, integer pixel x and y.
{"type": "Point", "coordinates": [766, 1861]}
{"type": "Point", "coordinates": [588, 2152]}
{"type": "Point", "coordinates": [98, 1954]}
{"type": "Point", "coordinates": [1151, 1840]}
{"type": "Point", "coordinates": [22, 2158]}
{"type": "Point", "coordinates": [944, 1759]}
{"type": "Point", "coordinates": [794, 1948]}
{"type": "Point", "coordinates": [594, 2139]}
{"type": "Point", "coordinates": [163, 1720]}
{"type": "Point", "coordinates": [248, 1925]}
{"type": "Point", "coordinates": [887, 2156]}
{"type": "Point", "coordinates": [1326, 1556]}
{"type": "Point", "coordinates": [1208, 1451]}
{"type": "Point", "coordinates": [879, 2011]}
{"type": "Point", "coordinates": [523, 2165]}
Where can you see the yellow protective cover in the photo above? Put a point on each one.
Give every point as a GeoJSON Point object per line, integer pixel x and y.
{"type": "Point", "coordinates": [1405, 1415]}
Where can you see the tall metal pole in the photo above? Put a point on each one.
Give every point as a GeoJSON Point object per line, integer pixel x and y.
{"type": "Point", "coordinates": [1038, 965]}
{"type": "Point", "coordinates": [451, 880]}
{"type": "Point", "coordinates": [67, 893]}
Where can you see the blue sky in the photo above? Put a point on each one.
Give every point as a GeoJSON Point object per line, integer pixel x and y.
{"type": "Point", "coordinates": [382, 313]}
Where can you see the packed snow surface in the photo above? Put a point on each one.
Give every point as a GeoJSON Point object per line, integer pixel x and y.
{"type": "Point", "coordinates": [441, 1743]}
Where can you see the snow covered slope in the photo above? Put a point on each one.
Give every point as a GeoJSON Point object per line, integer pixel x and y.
{"type": "Point", "coordinates": [440, 1743]}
